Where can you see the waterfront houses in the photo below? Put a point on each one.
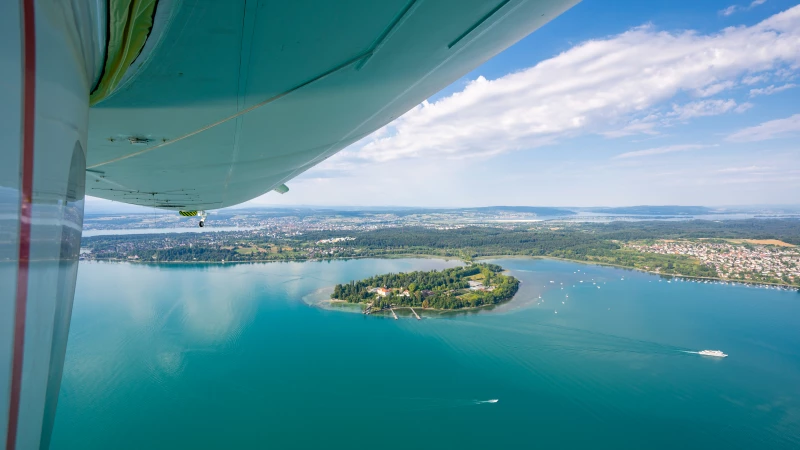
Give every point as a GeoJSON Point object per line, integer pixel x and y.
{"type": "Point", "coordinates": [735, 261]}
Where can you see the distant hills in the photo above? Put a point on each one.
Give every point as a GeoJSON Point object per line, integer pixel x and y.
{"type": "Point", "coordinates": [667, 210]}
{"type": "Point", "coordinates": [539, 211]}
{"type": "Point", "coordinates": [403, 210]}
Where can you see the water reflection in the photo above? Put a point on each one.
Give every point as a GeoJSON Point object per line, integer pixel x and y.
{"type": "Point", "coordinates": [153, 318]}
{"type": "Point", "coordinates": [153, 362]}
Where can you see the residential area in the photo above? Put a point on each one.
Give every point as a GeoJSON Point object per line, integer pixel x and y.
{"type": "Point", "coordinates": [746, 260]}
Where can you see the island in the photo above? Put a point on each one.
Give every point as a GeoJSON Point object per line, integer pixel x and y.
{"type": "Point", "coordinates": [471, 286]}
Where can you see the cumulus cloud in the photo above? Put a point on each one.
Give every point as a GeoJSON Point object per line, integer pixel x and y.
{"type": "Point", "coordinates": [613, 87]}
{"type": "Point", "coordinates": [662, 150]}
{"type": "Point", "coordinates": [771, 89]}
{"type": "Point", "coordinates": [772, 129]}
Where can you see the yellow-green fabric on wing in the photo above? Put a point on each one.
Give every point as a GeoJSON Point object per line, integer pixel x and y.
{"type": "Point", "coordinates": [129, 24]}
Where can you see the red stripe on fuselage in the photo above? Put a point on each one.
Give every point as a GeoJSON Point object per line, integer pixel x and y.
{"type": "Point", "coordinates": [26, 204]}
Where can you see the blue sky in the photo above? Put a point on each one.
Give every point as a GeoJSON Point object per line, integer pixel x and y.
{"type": "Point", "coordinates": [612, 103]}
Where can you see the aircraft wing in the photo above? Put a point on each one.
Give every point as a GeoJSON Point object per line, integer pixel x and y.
{"type": "Point", "coordinates": [230, 100]}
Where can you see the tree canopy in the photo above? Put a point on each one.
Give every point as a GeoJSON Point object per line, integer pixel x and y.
{"type": "Point", "coordinates": [445, 289]}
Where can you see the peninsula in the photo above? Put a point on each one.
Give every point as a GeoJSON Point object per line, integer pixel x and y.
{"type": "Point", "coordinates": [470, 286]}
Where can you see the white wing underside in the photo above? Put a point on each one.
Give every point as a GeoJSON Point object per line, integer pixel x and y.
{"type": "Point", "coordinates": [230, 100]}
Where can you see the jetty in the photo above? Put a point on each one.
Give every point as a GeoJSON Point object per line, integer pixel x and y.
{"type": "Point", "coordinates": [415, 314]}
{"type": "Point", "coordinates": [393, 313]}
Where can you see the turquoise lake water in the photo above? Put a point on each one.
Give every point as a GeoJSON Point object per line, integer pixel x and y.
{"type": "Point", "coordinates": [203, 357]}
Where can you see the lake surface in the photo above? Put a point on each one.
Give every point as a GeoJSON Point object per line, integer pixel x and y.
{"type": "Point", "coordinates": [202, 357]}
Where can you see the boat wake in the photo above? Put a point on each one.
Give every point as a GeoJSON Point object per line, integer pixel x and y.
{"type": "Point", "coordinates": [429, 404]}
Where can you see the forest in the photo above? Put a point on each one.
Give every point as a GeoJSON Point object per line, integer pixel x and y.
{"type": "Point", "coordinates": [445, 289]}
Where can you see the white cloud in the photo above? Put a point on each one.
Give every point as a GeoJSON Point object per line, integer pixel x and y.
{"type": "Point", "coordinates": [613, 87]}
{"type": "Point", "coordinates": [714, 89]}
{"type": "Point", "coordinates": [771, 89]}
{"type": "Point", "coordinates": [768, 130]}
{"type": "Point", "coordinates": [755, 174]}
{"type": "Point", "coordinates": [638, 126]}
{"type": "Point", "coordinates": [702, 108]}
{"type": "Point", "coordinates": [662, 150]}
{"type": "Point", "coordinates": [754, 79]}
{"type": "Point", "coordinates": [786, 73]}
{"type": "Point", "coordinates": [734, 8]}
{"type": "Point", "coordinates": [729, 10]}
{"type": "Point", "coordinates": [747, 169]}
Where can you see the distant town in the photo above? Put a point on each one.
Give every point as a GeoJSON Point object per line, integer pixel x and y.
{"type": "Point", "coordinates": [756, 247]}
{"type": "Point", "coordinates": [283, 221]}
{"type": "Point", "coordinates": [745, 260]}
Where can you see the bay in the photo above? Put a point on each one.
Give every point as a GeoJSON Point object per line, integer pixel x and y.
{"type": "Point", "coordinates": [231, 356]}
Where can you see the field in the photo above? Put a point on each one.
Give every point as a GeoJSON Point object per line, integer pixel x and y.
{"type": "Point", "coordinates": [761, 242]}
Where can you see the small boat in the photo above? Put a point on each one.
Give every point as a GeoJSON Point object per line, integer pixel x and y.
{"type": "Point", "coordinates": [715, 353]}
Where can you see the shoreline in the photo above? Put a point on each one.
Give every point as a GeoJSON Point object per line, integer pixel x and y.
{"type": "Point", "coordinates": [597, 263]}
{"type": "Point", "coordinates": [263, 261]}
{"type": "Point", "coordinates": [421, 309]}
{"type": "Point", "coordinates": [448, 258]}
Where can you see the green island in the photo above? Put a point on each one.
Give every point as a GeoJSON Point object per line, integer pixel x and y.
{"type": "Point", "coordinates": [470, 286]}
